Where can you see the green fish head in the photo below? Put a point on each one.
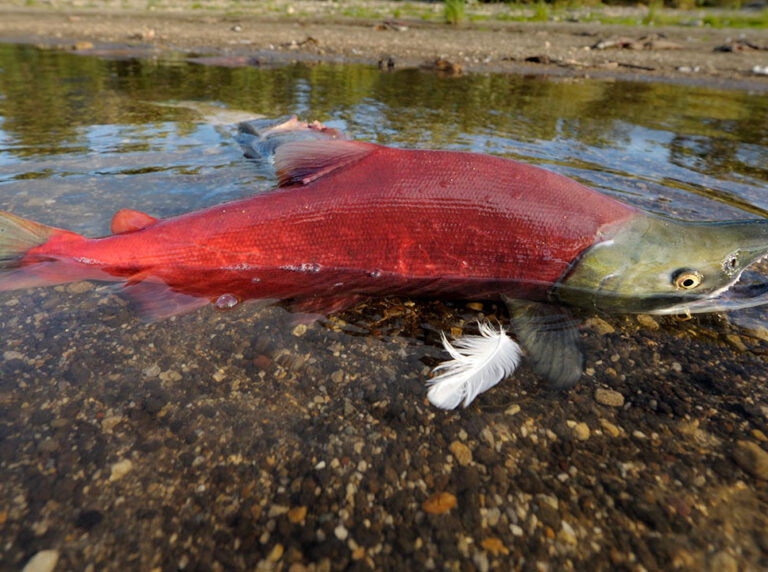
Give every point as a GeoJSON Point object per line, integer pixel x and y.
{"type": "Point", "coordinates": [661, 266]}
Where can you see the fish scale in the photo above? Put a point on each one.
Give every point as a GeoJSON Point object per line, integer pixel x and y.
{"type": "Point", "coordinates": [415, 216]}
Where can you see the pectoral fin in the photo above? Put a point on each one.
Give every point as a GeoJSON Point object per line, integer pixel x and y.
{"type": "Point", "coordinates": [549, 337]}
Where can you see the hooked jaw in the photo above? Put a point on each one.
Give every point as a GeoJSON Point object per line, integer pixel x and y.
{"type": "Point", "coordinates": [661, 266]}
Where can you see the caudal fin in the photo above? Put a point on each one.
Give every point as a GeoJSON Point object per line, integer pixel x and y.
{"type": "Point", "coordinates": [17, 236]}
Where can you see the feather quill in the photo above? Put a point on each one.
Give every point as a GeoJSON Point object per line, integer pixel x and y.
{"type": "Point", "coordinates": [478, 363]}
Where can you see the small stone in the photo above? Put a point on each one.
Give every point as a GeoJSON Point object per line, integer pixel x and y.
{"type": "Point", "coordinates": [300, 330]}
{"type": "Point", "coordinates": [512, 410]}
{"type": "Point", "coordinates": [610, 428]}
{"type": "Point", "coordinates": [515, 530]}
{"type": "Point", "coordinates": [152, 371]}
{"type": "Point", "coordinates": [723, 562]}
{"type": "Point", "coordinates": [638, 434]}
{"type": "Point", "coordinates": [567, 535]}
{"type": "Point", "coordinates": [462, 453]}
{"type": "Point", "coordinates": [439, 503]}
{"type": "Point", "coordinates": [736, 342]}
{"type": "Point", "coordinates": [600, 326]}
{"type": "Point", "coordinates": [276, 553]}
{"type": "Point", "coordinates": [609, 397]}
{"type": "Point", "coordinates": [337, 376]}
{"type": "Point", "coordinates": [120, 469]}
{"type": "Point", "coordinates": [82, 45]}
{"type": "Point", "coordinates": [277, 510]}
{"type": "Point", "coordinates": [341, 532]}
{"type": "Point", "coordinates": [495, 546]}
{"type": "Point", "coordinates": [759, 435]}
{"type": "Point", "coordinates": [43, 561]}
{"type": "Point", "coordinates": [581, 431]}
{"type": "Point", "coordinates": [79, 287]}
{"type": "Point", "coordinates": [49, 446]}
{"type": "Point", "coordinates": [752, 458]}
{"type": "Point", "coordinates": [8, 356]}
{"type": "Point", "coordinates": [676, 367]}
{"type": "Point", "coordinates": [476, 306]}
{"type": "Point", "coordinates": [358, 553]}
{"type": "Point", "coordinates": [297, 514]}
{"type": "Point", "coordinates": [647, 322]}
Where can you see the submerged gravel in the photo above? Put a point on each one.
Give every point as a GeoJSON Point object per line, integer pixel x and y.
{"type": "Point", "coordinates": [224, 440]}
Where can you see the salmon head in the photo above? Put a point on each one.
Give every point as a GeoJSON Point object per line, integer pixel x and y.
{"type": "Point", "coordinates": [662, 266]}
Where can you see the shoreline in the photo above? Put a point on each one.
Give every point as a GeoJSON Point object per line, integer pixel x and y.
{"type": "Point", "coordinates": [580, 50]}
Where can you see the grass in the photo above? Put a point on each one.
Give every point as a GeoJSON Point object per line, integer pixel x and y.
{"type": "Point", "coordinates": [454, 11]}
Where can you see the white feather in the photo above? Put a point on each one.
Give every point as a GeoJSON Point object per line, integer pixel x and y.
{"type": "Point", "coordinates": [479, 363]}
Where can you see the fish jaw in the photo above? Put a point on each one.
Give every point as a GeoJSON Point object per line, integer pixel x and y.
{"type": "Point", "coordinates": [656, 265]}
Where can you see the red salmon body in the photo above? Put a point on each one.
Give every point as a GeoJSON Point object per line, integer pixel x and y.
{"type": "Point", "coordinates": [356, 219]}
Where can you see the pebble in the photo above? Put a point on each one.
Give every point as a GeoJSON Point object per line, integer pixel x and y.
{"type": "Point", "coordinates": [515, 530]}
{"type": "Point", "coordinates": [276, 553]}
{"type": "Point", "coordinates": [337, 376]}
{"type": "Point", "coordinates": [43, 561]}
{"type": "Point", "coordinates": [647, 322]}
{"type": "Point", "coordinates": [760, 70]}
{"type": "Point", "coordinates": [609, 397]}
{"type": "Point", "coordinates": [512, 410]}
{"type": "Point", "coordinates": [581, 431]}
{"type": "Point", "coordinates": [752, 458]}
{"type": "Point", "coordinates": [439, 503]}
{"type": "Point", "coordinates": [736, 342]}
{"type": "Point", "coordinates": [79, 287]}
{"type": "Point", "coordinates": [341, 532]}
{"type": "Point", "coordinates": [759, 435]}
{"type": "Point", "coordinates": [462, 453]}
{"type": "Point", "coordinates": [723, 562]}
{"type": "Point", "coordinates": [8, 356]}
{"type": "Point", "coordinates": [120, 469]}
{"type": "Point", "coordinates": [297, 514]}
{"type": "Point", "coordinates": [610, 428]}
{"type": "Point", "coordinates": [600, 326]}
{"type": "Point", "coordinates": [495, 546]}
{"type": "Point", "coordinates": [300, 330]}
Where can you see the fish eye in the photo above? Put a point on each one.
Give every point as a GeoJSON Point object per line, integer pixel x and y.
{"type": "Point", "coordinates": [686, 279]}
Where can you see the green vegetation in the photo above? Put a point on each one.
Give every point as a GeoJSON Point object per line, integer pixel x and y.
{"type": "Point", "coordinates": [454, 11]}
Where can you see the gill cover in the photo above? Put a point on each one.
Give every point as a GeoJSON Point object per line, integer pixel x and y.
{"type": "Point", "coordinates": [658, 265]}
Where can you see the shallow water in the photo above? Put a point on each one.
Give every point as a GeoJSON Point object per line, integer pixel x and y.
{"type": "Point", "coordinates": [85, 384]}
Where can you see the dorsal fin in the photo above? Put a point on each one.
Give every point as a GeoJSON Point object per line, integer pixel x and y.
{"type": "Point", "coordinates": [301, 162]}
{"type": "Point", "coordinates": [127, 220]}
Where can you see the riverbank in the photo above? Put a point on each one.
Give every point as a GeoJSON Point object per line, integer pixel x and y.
{"type": "Point", "coordinates": [699, 55]}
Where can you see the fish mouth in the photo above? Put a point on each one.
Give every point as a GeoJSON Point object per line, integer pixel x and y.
{"type": "Point", "coordinates": [748, 290]}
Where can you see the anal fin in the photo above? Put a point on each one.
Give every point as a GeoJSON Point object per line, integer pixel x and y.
{"type": "Point", "coordinates": [549, 336]}
{"type": "Point", "coordinates": [155, 301]}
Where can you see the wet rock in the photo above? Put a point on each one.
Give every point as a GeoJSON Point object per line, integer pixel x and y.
{"type": "Point", "coordinates": [752, 458]}
{"type": "Point", "coordinates": [495, 546]}
{"type": "Point", "coordinates": [600, 326]}
{"type": "Point", "coordinates": [609, 397]}
{"type": "Point", "coordinates": [120, 469]}
{"type": "Point", "coordinates": [43, 561]}
{"type": "Point", "coordinates": [610, 428]}
{"type": "Point", "coordinates": [79, 287]}
{"type": "Point", "coordinates": [723, 562]}
{"type": "Point", "coordinates": [82, 45]}
{"type": "Point", "coordinates": [297, 515]}
{"type": "Point", "coordinates": [439, 503]}
{"type": "Point", "coordinates": [87, 519]}
{"type": "Point", "coordinates": [341, 532]}
{"type": "Point", "coordinates": [581, 431]}
{"type": "Point", "coordinates": [648, 322]}
{"type": "Point", "coordinates": [443, 67]}
{"type": "Point", "coordinates": [462, 453]}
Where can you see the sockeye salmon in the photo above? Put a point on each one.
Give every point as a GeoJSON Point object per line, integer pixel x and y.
{"type": "Point", "coordinates": [351, 220]}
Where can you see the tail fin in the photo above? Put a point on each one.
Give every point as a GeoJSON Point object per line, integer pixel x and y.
{"type": "Point", "coordinates": [17, 236]}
